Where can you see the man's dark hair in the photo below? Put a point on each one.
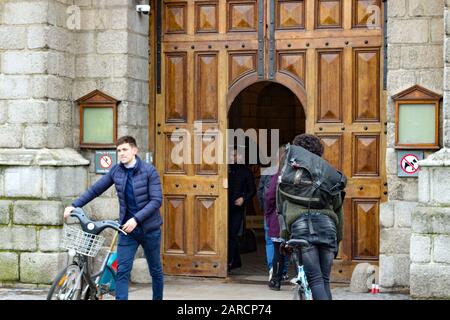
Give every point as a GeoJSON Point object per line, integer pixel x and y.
{"type": "Point", "coordinates": [310, 142]}
{"type": "Point", "coordinates": [127, 139]}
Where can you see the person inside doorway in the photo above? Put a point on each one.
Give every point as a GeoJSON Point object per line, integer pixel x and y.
{"type": "Point", "coordinates": [263, 185]}
{"type": "Point", "coordinates": [139, 191]}
{"type": "Point", "coordinates": [279, 261]}
{"type": "Point", "coordinates": [271, 227]}
{"type": "Point", "coordinates": [241, 189]}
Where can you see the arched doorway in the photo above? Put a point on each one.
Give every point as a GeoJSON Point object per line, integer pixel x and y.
{"type": "Point", "coordinates": [263, 105]}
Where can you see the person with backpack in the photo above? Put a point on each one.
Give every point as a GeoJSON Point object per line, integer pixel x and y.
{"type": "Point", "coordinates": [310, 196]}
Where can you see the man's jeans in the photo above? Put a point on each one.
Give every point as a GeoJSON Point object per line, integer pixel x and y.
{"type": "Point", "coordinates": [126, 251]}
{"type": "Point", "coordinates": [235, 219]}
{"type": "Point", "coordinates": [320, 231]}
{"type": "Point", "coordinates": [270, 251]}
{"type": "Point", "coordinates": [269, 247]}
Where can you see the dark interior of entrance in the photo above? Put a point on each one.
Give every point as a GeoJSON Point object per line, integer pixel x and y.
{"type": "Point", "coordinates": [264, 105]}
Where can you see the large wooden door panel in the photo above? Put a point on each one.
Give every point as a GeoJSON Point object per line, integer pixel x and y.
{"type": "Point", "coordinates": [365, 222]}
{"type": "Point", "coordinates": [290, 14]}
{"type": "Point", "coordinates": [330, 85]}
{"type": "Point", "coordinates": [343, 84]}
{"type": "Point", "coordinates": [174, 226]}
{"type": "Point", "coordinates": [191, 112]}
{"type": "Point", "coordinates": [176, 80]}
{"type": "Point", "coordinates": [206, 86]}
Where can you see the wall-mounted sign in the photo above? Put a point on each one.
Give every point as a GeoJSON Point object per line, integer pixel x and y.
{"type": "Point", "coordinates": [408, 163]}
{"type": "Point", "coordinates": [98, 120]}
{"type": "Point", "coordinates": [417, 119]}
{"type": "Point", "coordinates": [104, 160]}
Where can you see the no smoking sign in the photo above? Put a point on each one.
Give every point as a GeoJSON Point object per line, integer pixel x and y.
{"type": "Point", "coordinates": [408, 163]}
{"type": "Point", "coordinates": [104, 160]}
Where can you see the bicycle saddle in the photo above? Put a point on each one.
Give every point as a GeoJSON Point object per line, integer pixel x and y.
{"type": "Point", "coordinates": [298, 243]}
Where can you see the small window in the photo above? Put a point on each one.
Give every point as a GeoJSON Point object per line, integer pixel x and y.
{"type": "Point", "coordinates": [417, 119]}
{"type": "Point", "coordinates": [98, 120]}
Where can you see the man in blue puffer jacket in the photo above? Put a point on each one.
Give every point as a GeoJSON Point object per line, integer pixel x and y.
{"type": "Point", "coordinates": [138, 187]}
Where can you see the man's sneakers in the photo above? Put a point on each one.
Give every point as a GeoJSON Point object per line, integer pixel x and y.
{"type": "Point", "coordinates": [274, 285]}
{"type": "Point", "coordinates": [234, 265]}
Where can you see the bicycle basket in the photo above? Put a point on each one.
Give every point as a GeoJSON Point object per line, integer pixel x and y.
{"type": "Point", "coordinates": [82, 242]}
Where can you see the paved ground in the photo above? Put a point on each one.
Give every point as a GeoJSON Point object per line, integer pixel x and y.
{"type": "Point", "coordinates": [181, 288]}
{"type": "Point", "coordinates": [246, 283]}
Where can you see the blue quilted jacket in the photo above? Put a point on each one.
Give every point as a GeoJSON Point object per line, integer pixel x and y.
{"type": "Point", "coordinates": [147, 191]}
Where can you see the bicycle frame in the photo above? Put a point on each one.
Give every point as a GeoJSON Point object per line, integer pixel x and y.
{"type": "Point", "coordinates": [94, 281]}
{"type": "Point", "coordinates": [301, 281]}
{"type": "Point", "coordinates": [88, 279]}
{"type": "Point", "coordinates": [105, 278]}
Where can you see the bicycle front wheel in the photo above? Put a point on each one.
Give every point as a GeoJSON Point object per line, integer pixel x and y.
{"type": "Point", "coordinates": [67, 284]}
{"type": "Point", "coordinates": [299, 294]}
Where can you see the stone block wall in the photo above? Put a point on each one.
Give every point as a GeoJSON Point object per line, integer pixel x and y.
{"type": "Point", "coordinates": [36, 73]}
{"type": "Point", "coordinates": [446, 104]}
{"type": "Point", "coordinates": [37, 67]}
{"type": "Point", "coordinates": [53, 52]}
{"type": "Point", "coordinates": [415, 31]}
{"type": "Point", "coordinates": [111, 54]}
{"type": "Point", "coordinates": [34, 189]}
{"type": "Point", "coordinates": [430, 241]}
{"type": "Point", "coordinates": [47, 61]}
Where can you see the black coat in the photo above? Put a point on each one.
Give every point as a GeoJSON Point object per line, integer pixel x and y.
{"type": "Point", "coordinates": [240, 184]}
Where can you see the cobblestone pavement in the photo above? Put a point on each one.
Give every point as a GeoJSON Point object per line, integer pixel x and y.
{"type": "Point", "coordinates": [177, 288]}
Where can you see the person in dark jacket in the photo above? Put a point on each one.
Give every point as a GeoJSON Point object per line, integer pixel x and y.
{"type": "Point", "coordinates": [241, 189]}
{"type": "Point", "coordinates": [138, 188]}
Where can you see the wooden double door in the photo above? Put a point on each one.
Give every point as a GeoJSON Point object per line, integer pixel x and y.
{"type": "Point", "coordinates": [327, 52]}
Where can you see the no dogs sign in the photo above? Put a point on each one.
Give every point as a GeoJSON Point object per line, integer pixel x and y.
{"type": "Point", "coordinates": [104, 160]}
{"type": "Point", "coordinates": [408, 163]}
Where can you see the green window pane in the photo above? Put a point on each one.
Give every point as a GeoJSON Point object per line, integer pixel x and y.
{"type": "Point", "coordinates": [98, 125]}
{"type": "Point", "coordinates": [417, 123]}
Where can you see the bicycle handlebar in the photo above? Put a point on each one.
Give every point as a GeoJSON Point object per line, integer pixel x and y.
{"type": "Point", "coordinates": [94, 227]}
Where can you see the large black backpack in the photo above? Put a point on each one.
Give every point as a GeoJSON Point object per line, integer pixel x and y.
{"type": "Point", "coordinates": [308, 180]}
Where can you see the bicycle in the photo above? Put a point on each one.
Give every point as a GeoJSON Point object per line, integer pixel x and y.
{"type": "Point", "coordinates": [75, 282]}
{"type": "Point", "coordinates": [302, 291]}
